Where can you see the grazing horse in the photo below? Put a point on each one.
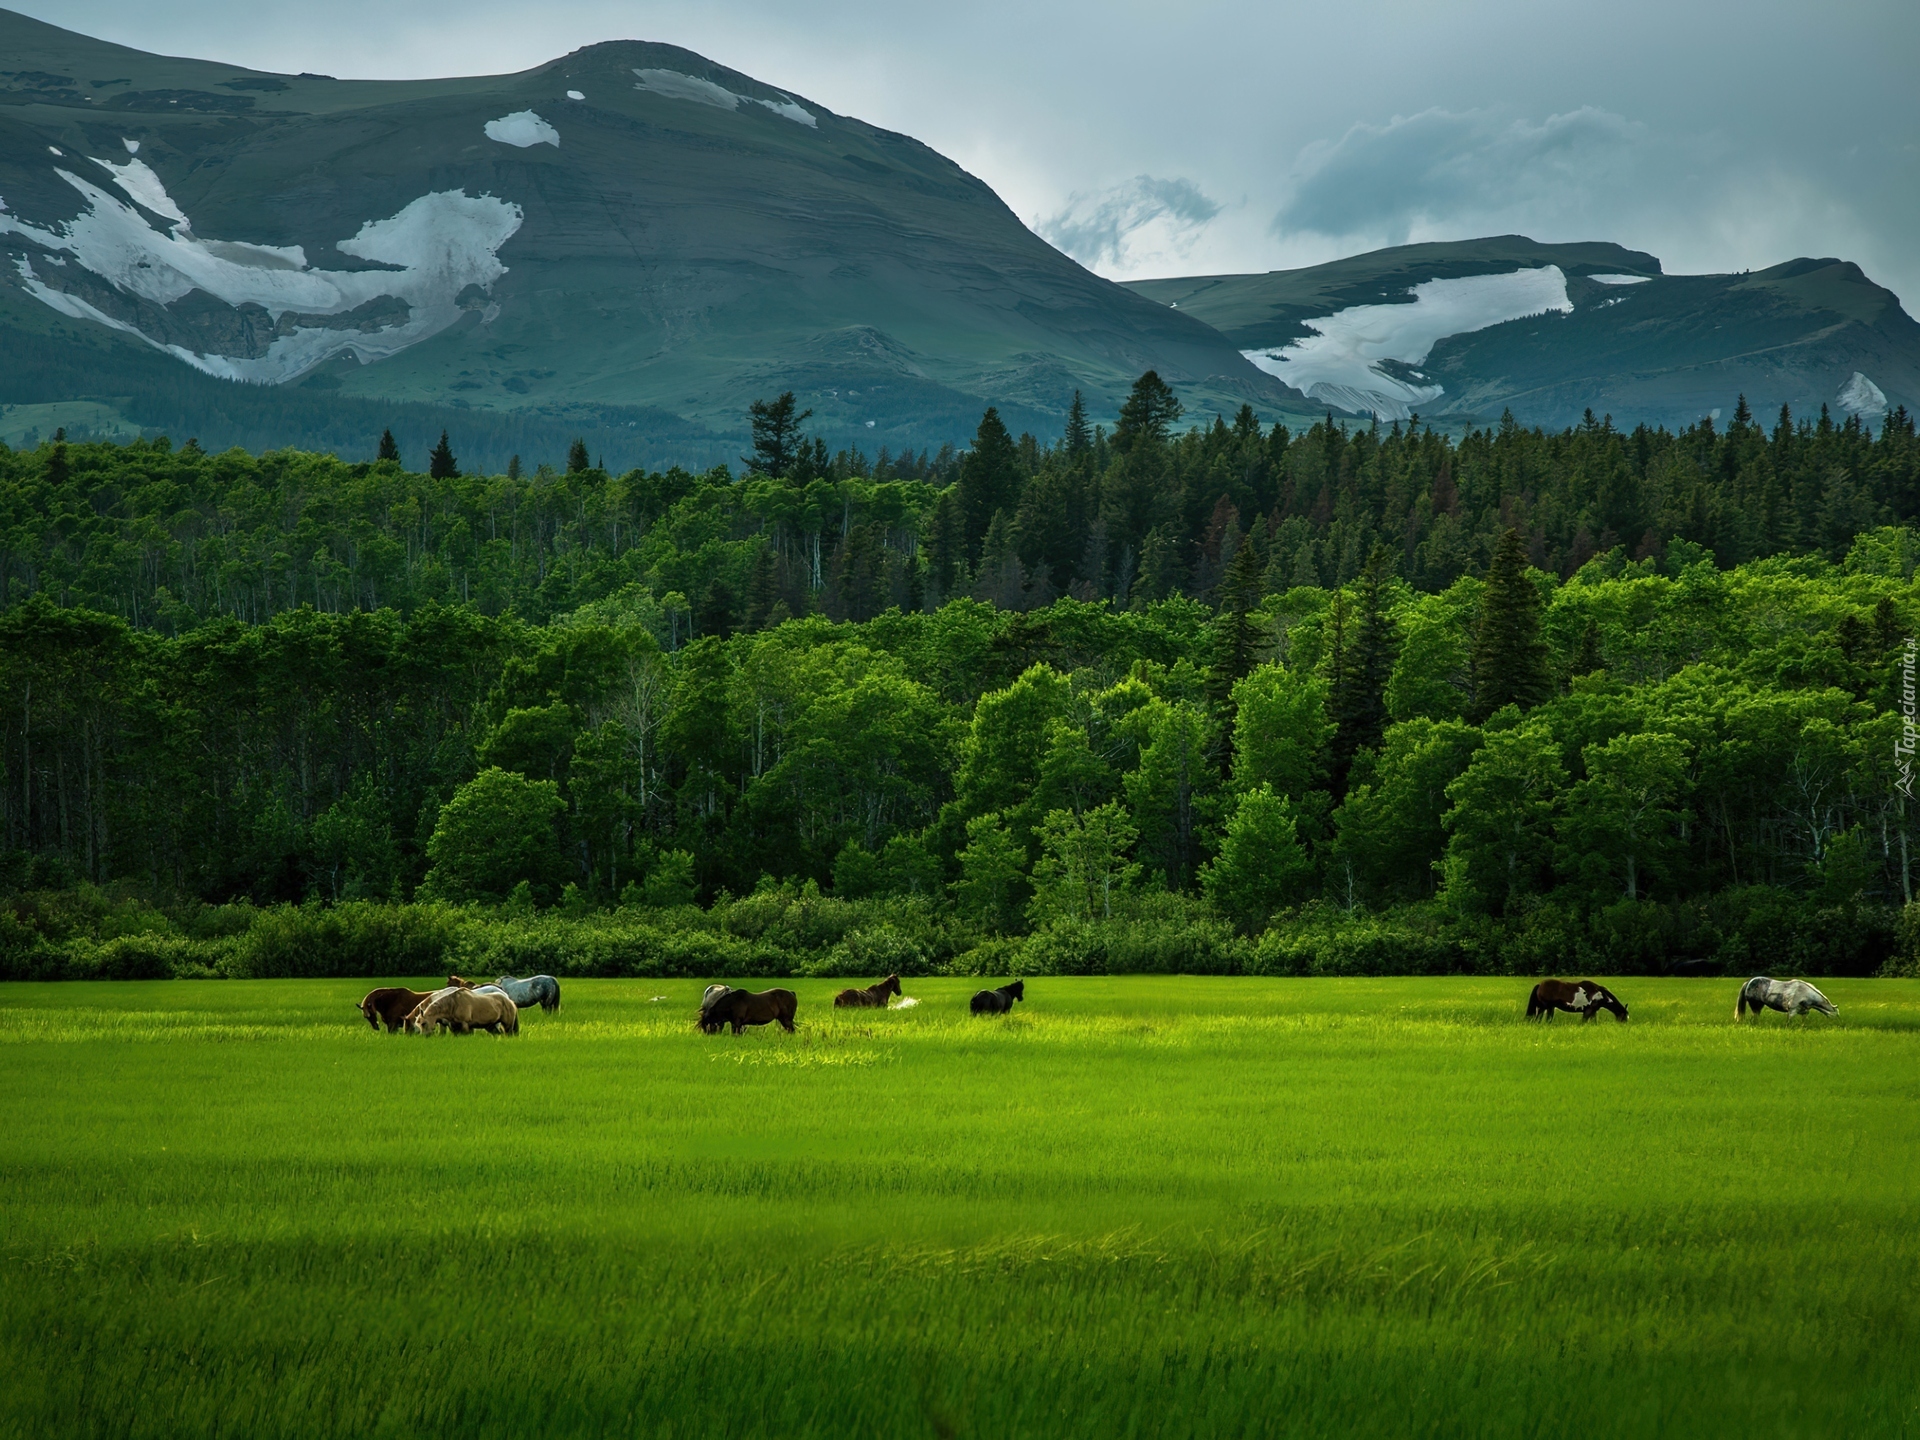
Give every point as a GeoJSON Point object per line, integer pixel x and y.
{"type": "Point", "coordinates": [463, 1011]}
{"type": "Point", "coordinates": [1582, 998]}
{"type": "Point", "coordinates": [741, 1008]}
{"type": "Point", "coordinates": [391, 1005]}
{"type": "Point", "coordinates": [869, 998]}
{"type": "Point", "coordinates": [1789, 997]}
{"type": "Point", "coordinates": [541, 990]}
{"type": "Point", "coordinates": [998, 1002]}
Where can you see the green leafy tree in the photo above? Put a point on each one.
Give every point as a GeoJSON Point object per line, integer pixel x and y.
{"type": "Point", "coordinates": [1622, 823]}
{"type": "Point", "coordinates": [1389, 831]}
{"type": "Point", "coordinates": [495, 833]}
{"type": "Point", "coordinates": [992, 874]}
{"type": "Point", "coordinates": [1083, 867]}
{"type": "Point", "coordinates": [1172, 792]}
{"type": "Point", "coordinates": [1509, 655]}
{"type": "Point", "coordinates": [1262, 867]}
{"type": "Point", "coordinates": [1500, 829]}
{"type": "Point", "coordinates": [1281, 732]}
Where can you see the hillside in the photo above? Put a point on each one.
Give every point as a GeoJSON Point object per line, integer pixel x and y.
{"type": "Point", "coordinates": [1466, 330]}
{"type": "Point", "coordinates": [628, 239]}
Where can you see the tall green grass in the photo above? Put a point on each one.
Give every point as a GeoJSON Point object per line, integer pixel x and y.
{"type": "Point", "coordinates": [1136, 1207]}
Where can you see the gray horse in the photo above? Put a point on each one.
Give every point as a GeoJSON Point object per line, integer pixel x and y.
{"type": "Point", "coordinates": [1789, 997]}
{"type": "Point", "coordinates": [541, 990]}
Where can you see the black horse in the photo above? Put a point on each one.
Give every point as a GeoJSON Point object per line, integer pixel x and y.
{"type": "Point", "coordinates": [999, 1002]}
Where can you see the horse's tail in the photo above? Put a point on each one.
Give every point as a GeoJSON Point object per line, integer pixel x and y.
{"type": "Point", "coordinates": [553, 989]}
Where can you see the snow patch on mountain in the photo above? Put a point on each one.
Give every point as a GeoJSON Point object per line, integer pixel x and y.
{"type": "Point", "coordinates": [1860, 396]}
{"type": "Point", "coordinates": [441, 249]}
{"type": "Point", "coordinates": [1619, 279]}
{"type": "Point", "coordinates": [522, 128]}
{"type": "Point", "coordinates": [1340, 364]}
{"type": "Point", "coordinates": [675, 86]}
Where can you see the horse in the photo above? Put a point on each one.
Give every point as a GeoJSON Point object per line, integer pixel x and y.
{"type": "Point", "coordinates": [463, 1011]}
{"type": "Point", "coordinates": [541, 990]}
{"type": "Point", "coordinates": [873, 995]}
{"type": "Point", "coordinates": [1789, 997]}
{"type": "Point", "coordinates": [998, 1002]}
{"type": "Point", "coordinates": [391, 1005]}
{"type": "Point", "coordinates": [740, 1008]}
{"type": "Point", "coordinates": [1583, 998]}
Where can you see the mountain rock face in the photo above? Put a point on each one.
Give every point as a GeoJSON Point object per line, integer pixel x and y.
{"type": "Point", "coordinates": [1464, 331]}
{"type": "Point", "coordinates": [629, 235]}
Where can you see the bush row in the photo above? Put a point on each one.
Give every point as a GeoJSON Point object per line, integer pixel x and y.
{"type": "Point", "coordinates": [798, 932]}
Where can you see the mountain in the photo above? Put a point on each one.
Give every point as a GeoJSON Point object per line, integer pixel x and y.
{"type": "Point", "coordinates": [629, 242]}
{"type": "Point", "coordinates": [1463, 331]}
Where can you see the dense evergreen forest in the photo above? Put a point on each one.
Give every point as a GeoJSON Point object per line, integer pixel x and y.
{"type": "Point", "coordinates": [1211, 699]}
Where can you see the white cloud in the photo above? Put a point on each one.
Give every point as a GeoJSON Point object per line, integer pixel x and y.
{"type": "Point", "coordinates": [1140, 220]}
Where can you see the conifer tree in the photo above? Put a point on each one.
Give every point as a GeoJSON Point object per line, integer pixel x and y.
{"type": "Point", "coordinates": [389, 447]}
{"type": "Point", "coordinates": [577, 456]}
{"type": "Point", "coordinates": [989, 480]}
{"type": "Point", "coordinates": [1236, 638]}
{"type": "Point", "coordinates": [1148, 416]}
{"type": "Point", "coordinates": [1509, 657]}
{"type": "Point", "coordinates": [1078, 441]}
{"type": "Point", "coordinates": [777, 442]}
{"type": "Point", "coordinates": [441, 464]}
{"type": "Point", "coordinates": [513, 467]}
{"type": "Point", "coordinates": [1357, 692]}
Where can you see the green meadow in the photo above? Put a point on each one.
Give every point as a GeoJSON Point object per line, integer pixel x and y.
{"type": "Point", "coordinates": [1137, 1207]}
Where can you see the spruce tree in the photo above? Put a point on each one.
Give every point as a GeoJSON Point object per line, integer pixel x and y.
{"type": "Point", "coordinates": [1236, 638]}
{"type": "Point", "coordinates": [990, 480]}
{"type": "Point", "coordinates": [1078, 441]}
{"type": "Point", "coordinates": [1509, 657]}
{"type": "Point", "coordinates": [1357, 692]}
{"type": "Point", "coordinates": [777, 442]}
{"type": "Point", "coordinates": [441, 464]}
{"type": "Point", "coordinates": [389, 447]}
{"type": "Point", "coordinates": [513, 467]}
{"type": "Point", "coordinates": [577, 456]}
{"type": "Point", "coordinates": [1148, 416]}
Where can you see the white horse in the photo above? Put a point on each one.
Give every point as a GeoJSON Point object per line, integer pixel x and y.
{"type": "Point", "coordinates": [1789, 997]}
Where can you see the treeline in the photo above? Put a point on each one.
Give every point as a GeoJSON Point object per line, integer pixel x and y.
{"type": "Point", "coordinates": [1650, 763]}
{"type": "Point", "coordinates": [168, 537]}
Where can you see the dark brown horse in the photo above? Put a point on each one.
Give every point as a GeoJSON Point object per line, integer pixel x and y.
{"type": "Point", "coordinates": [998, 1002]}
{"type": "Point", "coordinates": [871, 997]}
{"type": "Point", "coordinates": [1576, 997]}
{"type": "Point", "coordinates": [391, 1006]}
{"type": "Point", "coordinates": [741, 1008]}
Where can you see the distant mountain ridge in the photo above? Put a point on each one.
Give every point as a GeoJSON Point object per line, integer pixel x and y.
{"type": "Point", "coordinates": [627, 235]}
{"type": "Point", "coordinates": [1550, 331]}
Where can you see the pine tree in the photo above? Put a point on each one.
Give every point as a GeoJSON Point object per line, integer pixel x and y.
{"type": "Point", "coordinates": [1236, 638]}
{"type": "Point", "coordinates": [577, 456]}
{"type": "Point", "coordinates": [989, 480]}
{"type": "Point", "coordinates": [1148, 416]}
{"type": "Point", "coordinates": [441, 464]}
{"type": "Point", "coordinates": [389, 447]}
{"type": "Point", "coordinates": [777, 442]}
{"type": "Point", "coordinates": [1357, 693]}
{"type": "Point", "coordinates": [1078, 441]}
{"type": "Point", "coordinates": [1509, 657]}
{"type": "Point", "coordinates": [513, 467]}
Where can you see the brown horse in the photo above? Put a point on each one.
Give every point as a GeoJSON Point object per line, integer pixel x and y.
{"type": "Point", "coordinates": [463, 1011]}
{"type": "Point", "coordinates": [740, 1008]}
{"type": "Point", "coordinates": [1582, 998]}
{"type": "Point", "coordinates": [391, 1005]}
{"type": "Point", "coordinates": [871, 997]}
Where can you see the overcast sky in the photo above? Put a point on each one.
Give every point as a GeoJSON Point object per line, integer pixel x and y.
{"type": "Point", "coordinates": [1222, 135]}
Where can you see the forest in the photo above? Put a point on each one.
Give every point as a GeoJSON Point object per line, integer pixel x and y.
{"type": "Point", "coordinates": [1216, 699]}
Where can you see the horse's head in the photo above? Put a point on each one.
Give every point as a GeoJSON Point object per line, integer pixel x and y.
{"type": "Point", "coordinates": [889, 986]}
{"type": "Point", "coordinates": [372, 1015]}
{"type": "Point", "coordinates": [1016, 991]}
{"type": "Point", "coordinates": [1607, 1000]}
{"type": "Point", "coordinates": [454, 982]}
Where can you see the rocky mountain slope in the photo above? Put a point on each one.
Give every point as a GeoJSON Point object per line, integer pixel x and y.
{"type": "Point", "coordinates": [1463, 331]}
{"type": "Point", "coordinates": [627, 239]}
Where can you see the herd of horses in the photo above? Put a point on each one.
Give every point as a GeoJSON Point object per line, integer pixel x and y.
{"type": "Point", "coordinates": [464, 1007]}
{"type": "Point", "coordinates": [461, 1006]}
{"type": "Point", "coordinates": [1587, 998]}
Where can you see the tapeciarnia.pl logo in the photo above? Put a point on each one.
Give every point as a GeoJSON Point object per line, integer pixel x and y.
{"type": "Point", "coordinates": [1903, 748]}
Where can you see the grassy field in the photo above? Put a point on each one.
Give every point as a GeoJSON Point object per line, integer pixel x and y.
{"type": "Point", "coordinates": [1138, 1207]}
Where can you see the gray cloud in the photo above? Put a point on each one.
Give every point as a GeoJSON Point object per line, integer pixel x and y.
{"type": "Point", "coordinates": [1440, 166]}
{"type": "Point", "coordinates": [1097, 229]}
